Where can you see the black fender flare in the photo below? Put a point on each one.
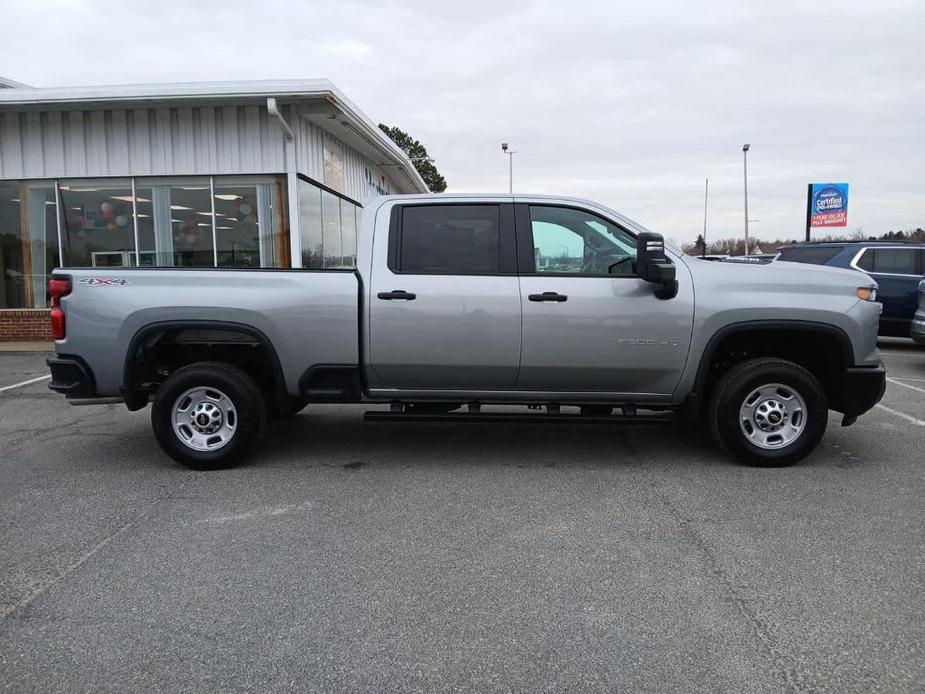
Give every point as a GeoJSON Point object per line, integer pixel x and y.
{"type": "Point", "coordinates": [694, 401]}
{"type": "Point", "coordinates": [136, 400]}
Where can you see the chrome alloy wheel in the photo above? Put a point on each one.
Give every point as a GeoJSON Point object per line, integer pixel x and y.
{"type": "Point", "coordinates": [773, 416]}
{"type": "Point", "coordinates": [204, 419]}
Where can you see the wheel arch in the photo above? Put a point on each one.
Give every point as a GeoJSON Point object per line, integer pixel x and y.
{"type": "Point", "coordinates": [741, 330]}
{"type": "Point", "coordinates": [151, 333]}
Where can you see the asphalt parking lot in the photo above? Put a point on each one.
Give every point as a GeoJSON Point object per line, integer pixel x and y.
{"type": "Point", "coordinates": [383, 557]}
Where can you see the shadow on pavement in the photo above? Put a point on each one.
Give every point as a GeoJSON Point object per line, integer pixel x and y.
{"type": "Point", "coordinates": [316, 437]}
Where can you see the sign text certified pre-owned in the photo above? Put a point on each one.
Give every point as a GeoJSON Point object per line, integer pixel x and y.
{"type": "Point", "coordinates": [829, 205]}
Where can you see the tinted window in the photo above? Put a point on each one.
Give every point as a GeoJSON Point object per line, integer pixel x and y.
{"type": "Point", "coordinates": [567, 240]}
{"type": "Point", "coordinates": [894, 261]}
{"type": "Point", "coordinates": [816, 255]}
{"type": "Point", "coordinates": [897, 261]}
{"type": "Point", "coordinates": [450, 239]}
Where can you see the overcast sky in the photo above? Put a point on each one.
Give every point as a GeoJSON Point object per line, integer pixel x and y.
{"type": "Point", "coordinates": [632, 104]}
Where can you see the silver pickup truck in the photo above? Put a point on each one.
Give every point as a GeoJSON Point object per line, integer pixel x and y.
{"type": "Point", "coordinates": [461, 306]}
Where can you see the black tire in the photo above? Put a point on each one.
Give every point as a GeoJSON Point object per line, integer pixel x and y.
{"type": "Point", "coordinates": [248, 412]}
{"type": "Point", "coordinates": [742, 380]}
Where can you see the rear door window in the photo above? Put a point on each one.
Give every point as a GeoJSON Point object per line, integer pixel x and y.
{"type": "Point", "coordinates": [815, 255]}
{"type": "Point", "coordinates": [896, 261]}
{"type": "Point", "coordinates": [450, 240]}
{"type": "Point", "coordinates": [892, 261]}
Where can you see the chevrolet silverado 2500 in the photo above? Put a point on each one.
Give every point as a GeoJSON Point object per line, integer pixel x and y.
{"type": "Point", "coordinates": [460, 303]}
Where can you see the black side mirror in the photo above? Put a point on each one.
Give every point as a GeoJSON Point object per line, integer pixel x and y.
{"type": "Point", "coordinates": [652, 265]}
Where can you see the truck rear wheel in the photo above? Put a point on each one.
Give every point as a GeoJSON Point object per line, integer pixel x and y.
{"type": "Point", "coordinates": [768, 412]}
{"type": "Point", "coordinates": [207, 415]}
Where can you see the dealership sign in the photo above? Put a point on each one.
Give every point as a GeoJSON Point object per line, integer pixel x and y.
{"type": "Point", "coordinates": [828, 205]}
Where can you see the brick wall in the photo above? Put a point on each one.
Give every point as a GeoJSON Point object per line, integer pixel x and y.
{"type": "Point", "coordinates": [26, 326]}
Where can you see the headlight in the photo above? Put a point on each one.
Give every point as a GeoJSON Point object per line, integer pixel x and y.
{"type": "Point", "coordinates": [867, 293]}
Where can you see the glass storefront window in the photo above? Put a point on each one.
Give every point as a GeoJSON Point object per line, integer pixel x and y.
{"type": "Point", "coordinates": [14, 281]}
{"type": "Point", "coordinates": [328, 228]}
{"type": "Point", "coordinates": [248, 225]}
{"type": "Point", "coordinates": [173, 227]}
{"type": "Point", "coordinates": [175, 222]}
{"type": "Point", "coordinates": [147, 245]}
{"type": "Point", "coordinates": [190, 206]}
{"type": "Point", "coordinates": [348, 236]}
{"type": "Point", "coordinates": [274, 232]}
{"type": "Point", "coordinates": [310, 225]}
{"type": "Point", "coordinates": [98, 223]}
{"type": "Point", "coordinates": [236, 227]}
{"type": "Point", "coordinates": [28, 243]}
{"type": "Point", "coordinates": [42, 248]}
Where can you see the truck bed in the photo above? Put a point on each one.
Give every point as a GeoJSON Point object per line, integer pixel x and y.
{"type": "Point", "coordinates": [310, 317]}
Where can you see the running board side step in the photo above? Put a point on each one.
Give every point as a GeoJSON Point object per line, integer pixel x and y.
{"type": "Point", "coordinates": [385, 415]}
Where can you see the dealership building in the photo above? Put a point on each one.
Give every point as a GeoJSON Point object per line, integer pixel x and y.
{"type": "Point", "coordinates": [267, 174]}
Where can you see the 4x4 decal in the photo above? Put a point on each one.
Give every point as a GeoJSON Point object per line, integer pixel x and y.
{"type": "Point", "coordinates": [103, 282]}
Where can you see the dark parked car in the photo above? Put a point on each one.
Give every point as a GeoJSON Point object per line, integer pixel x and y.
{"type": "Point", "coordinates": [897, 267]}
{"type": "Point", "coordinates": [918, 321]}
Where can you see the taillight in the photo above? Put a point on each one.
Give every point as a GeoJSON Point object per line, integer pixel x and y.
{"type": "Point", "coordinates": [58, 288]}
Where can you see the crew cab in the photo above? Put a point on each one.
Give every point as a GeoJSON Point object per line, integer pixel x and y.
{"type": "Point", "coordinates": [462, 303]}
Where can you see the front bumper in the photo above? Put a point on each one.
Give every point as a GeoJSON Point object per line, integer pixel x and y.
{"type": "Point", "coordinates": [918, 328]}
{"type": "Point", "coordinates": [71, 377]}
{"type": "Point", "coordinates": [862, 388]}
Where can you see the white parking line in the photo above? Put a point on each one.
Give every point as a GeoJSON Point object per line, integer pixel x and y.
{"type": "Point", "coordinates": [905, 385]}
{"type": "Point", "coordinates": [903, 415]}
{"type": "Point", "coordinates": [25, 383]}
{"type": "Point", "coordinates": [903, 355]}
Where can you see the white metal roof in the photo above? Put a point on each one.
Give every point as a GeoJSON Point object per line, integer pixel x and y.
{"type": "Point", "coordinates": [174, 91]}
{"type": "Point", "coordinates": [7, 83]}
{"type": "Point", "coordinates": [326, 101]}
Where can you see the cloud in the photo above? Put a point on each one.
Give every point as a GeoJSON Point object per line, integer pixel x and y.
{"type": "Point", "coordinates": [346, 48]}
{"type": "Point", "coordinates": [631, 104]}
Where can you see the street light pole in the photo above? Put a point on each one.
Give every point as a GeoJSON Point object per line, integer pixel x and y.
{"type": "Point", "coordinates": [745, 175]}
{"type": "Point", "coordinates": [510, 153]}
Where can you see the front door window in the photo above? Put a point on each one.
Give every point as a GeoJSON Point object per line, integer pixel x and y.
{"type": "Point", "coordinates": [576, 242]}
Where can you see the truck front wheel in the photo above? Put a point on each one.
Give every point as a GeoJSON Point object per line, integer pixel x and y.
{"type": "Point", "coordinates": [768, 412]}
{"type": "Point", "coordinates": [207, 415]}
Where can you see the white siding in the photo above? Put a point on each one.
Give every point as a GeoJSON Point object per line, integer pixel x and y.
{"type": "Point", "coordinates": [173, 141]}
{"type": "Point", "coordinates": [309, 149]}
{"type": "Point", "coordinates": [140, 142]}
{"type": "Point", "coordinates": [358, 169]}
